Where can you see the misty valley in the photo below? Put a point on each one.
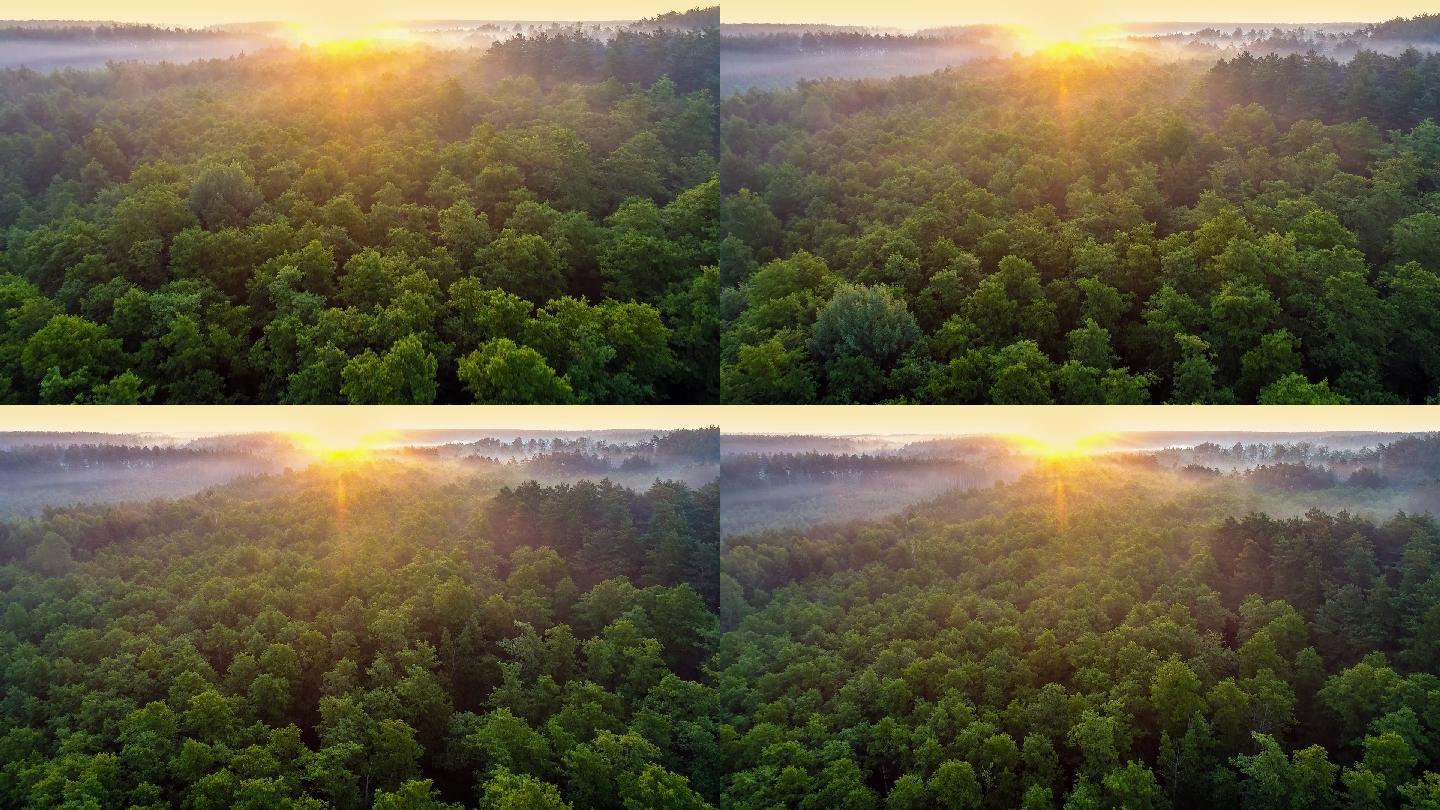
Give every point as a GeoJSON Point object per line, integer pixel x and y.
{"type": "Point", "coordinates": [43, 469]}
{"type": "Point", "coordinates": [1238, 622]}
{"type": "Point", "coordinates": [771, 56]}
{"type": "Point", "coordinates": [382, 628]}
{"type": "Point", "coordinates": [518, 619]}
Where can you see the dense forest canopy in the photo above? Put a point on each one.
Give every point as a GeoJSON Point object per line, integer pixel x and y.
{"type": "Point", "coordinates": [1102, 633]}
{"type": "Point", "coordinates": [1087, 229]}
{"type": "Point", "coordinates": [361, 635]}
{"type": "Point", "coordinates": [399, 226]}
{"type": "Point", "coordinates": [1214, 624]}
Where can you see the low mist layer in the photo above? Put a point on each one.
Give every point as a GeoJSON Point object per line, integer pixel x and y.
{"type": "Point", "coordinates": [42, 471]}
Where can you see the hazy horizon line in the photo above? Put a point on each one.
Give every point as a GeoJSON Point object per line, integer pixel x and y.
{"type": "Point", "coordinates": [378, 21]}
{"type": "Point", "coordinates": [915, 27]}
{"type": "Point", "coordinates": [910, 26]}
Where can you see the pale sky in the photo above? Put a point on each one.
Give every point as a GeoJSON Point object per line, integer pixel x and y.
{"type": "Point", "coordinates": [1064, 423]}
{"type": "Point", "coordinates": [1050, 14]}
{"type": "Point", "coordinates": [898, 13]}
{"type": "Point", "coordinates": [339, 424]}
{"type": "Point", "coordinates": [349, 11]}
{"type": "Point", "coordinates": [1056, 423]}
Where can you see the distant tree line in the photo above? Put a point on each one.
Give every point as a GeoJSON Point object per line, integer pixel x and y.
{"type": "Point", "coordinates": [755, 470]}
{"type": "Point", "coordinates": [680, 46]}
{"type": "Point", "coordinates": [1412, 459]}
{"type": "Point", "coordinates": [86, 456]}
{"type": "Point", "coordinates": [119, 32]}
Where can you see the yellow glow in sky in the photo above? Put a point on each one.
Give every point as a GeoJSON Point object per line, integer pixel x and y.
{"type": "Point", "coordinates": [340, 12]}
{"type": "Point", "coordinates": [1061, 443]}
{"type": "Point", "coordinates": [1071, 16]}
{"type": "Point", "coordinates": [1057, 426]}
{"type": "Point", "coordinates": [343, 34]}
{"type": "Point", "coordinates": [1064, 429]}
{"type": "Point", "coordinates": [342, 442]}
{"type": "Point", "coordinates": [341, 425]}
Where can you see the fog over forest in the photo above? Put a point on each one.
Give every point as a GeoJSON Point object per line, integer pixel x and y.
{"type": "Point", "coordinates": [40, 471]}
{"type": "Point", "coordinates": [51, 45]}
{"type": "Point", "coordinates": [771, 57]}
{"type": "Point", "coordinates": [360, 632]}
{"type": "Point", "coordinates": [781, 482]}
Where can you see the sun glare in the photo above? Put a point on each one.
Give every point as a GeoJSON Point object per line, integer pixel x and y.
{"type": "Point", "coordinates": [1058, 445]}
{"type": "Point", "coordinates": [339, 35]}
{"type": "Point", "coordinates": [1067, 40]}
{"type": "Point", "coordinates": [339, 443]}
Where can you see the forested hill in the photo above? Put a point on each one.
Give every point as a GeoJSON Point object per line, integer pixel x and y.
{"type": "Point", "coordinates": [1078, 230]}
{"type": "Point", "coordinates": [358, 636]}
{"type": "Point", "coordinates": [406, 226]}
{"type": "Point", "coordinates": [1389, 92]}
{"type": "Point", "coordinates": [1096, 635]}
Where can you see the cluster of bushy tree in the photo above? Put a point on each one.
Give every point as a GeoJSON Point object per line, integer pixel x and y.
{"type": "Point", "coordinates": [359, 636]}
{"type": "Point", "coordinates": [1097, 635]}
{"type": "Point", "coordinates": [414, 226]}
{"type": "Point", "coordinates": [577, 462]}
{"type": "Point", "coordinates": [700, 445]}
{"type": "Point", "coordinates": [1421, 28]}
{"type": "Point", "coordinates": [1287, 477]}
{"type": "Point", "coordinates": [1390, 92]}
{"type": "Point", "coordinates": [664, 535]}
{"type": "Point", "coordinates": [680, 46]}
{"type": "Point", "coordinates": [1113, 230]}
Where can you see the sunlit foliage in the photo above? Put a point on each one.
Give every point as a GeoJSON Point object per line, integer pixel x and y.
{"type": "Point", "coordinates": [1099, 634]}
{"type": "Point", "coordinates": [1087, 229]}
{"type": "Point", "coordinates": [363, 635]}
{"type": "Point", "coordinates": [395, 226]}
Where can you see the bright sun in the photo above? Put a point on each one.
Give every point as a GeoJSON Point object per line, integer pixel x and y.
{"type": "Point", "coordinates": [343, 35]}
{"type": "Point", "coordinates": [339, 443]}
{"type": "Point", "coordinates": [1063, 38]}
{"type": "Point", "coordinates": [1058, 445]}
